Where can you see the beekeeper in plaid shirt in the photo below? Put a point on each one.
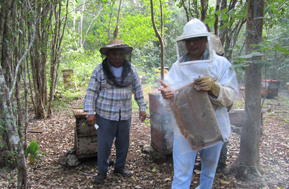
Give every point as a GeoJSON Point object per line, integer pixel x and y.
{"type": "Point", "coordinates": [108, 104]}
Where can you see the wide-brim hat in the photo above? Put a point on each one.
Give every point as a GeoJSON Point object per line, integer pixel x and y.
{"type": "Point", "coordinates": [115, 44]}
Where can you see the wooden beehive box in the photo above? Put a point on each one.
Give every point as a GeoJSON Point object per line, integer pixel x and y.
{"type": "Point", "coordinates": [85, 136]}
{"type": "Point", "coordinates": [195, 117]}
{"type": "Point", "coordinates": [162, 134]}
{"type": "Point", "coordinates": [269, 88]}
{"type": "Point", "coordinates": [237, 117]}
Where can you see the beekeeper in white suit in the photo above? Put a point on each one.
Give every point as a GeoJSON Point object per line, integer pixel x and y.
{"type": "Point", "coordinates": [197, 62]}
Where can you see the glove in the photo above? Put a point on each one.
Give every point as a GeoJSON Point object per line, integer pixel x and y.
{"type": "Point", "coordinates": [208, 84]}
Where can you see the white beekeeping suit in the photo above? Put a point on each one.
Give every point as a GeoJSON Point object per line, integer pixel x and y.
{"type": "Point", "coordinates": [183, 72]}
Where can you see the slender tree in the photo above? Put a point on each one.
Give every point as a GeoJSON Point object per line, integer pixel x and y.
{"type": "Point", "coordinates": [160, 36]}
{"type": "Point", "coordinates": [81, 24]}
{"type": "Point", "coordinates": [248, 160]}
{"type": "Point", "coordinates": [24, 36]}
{"type": "Point", "coordinates": [115, 33]}
{"type": "Point", "coordinates": [57, 31]}
{"type": "Point", "coordinates": [38, 55]}
{"type": "Point", "coordinates": [12, 130]}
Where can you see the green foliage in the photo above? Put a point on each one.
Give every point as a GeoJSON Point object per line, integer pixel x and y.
{"type": "Point", "coordinates": [59, 105]}
{"type": "Point", "coordinates": [2, 129]}
{"type": "Point", "coordinates": [239, 104]}
{"type": "Point", "coordinates": [82, 62]}
{"type": "Point", "coordinates": [268, 102]}
{"type": "Point", "coordinates": [63, 96]}
{"type": "Point", "coordinates": [32, 151]}
{"type": "Point", "coordinates": [147, 122]}
{"type": "Point", "coordinates": [274, 48]}
{"type": "Point", "coordinates": [271, 114]}
{"type": "Point", "coordinates": [137, 30]}
{"type": "Point", "coordinates": [230, 17]}
{"type": "Point", "coordinates": [275, 11]}
{"type": "Point", "coordinates": [72, 94]}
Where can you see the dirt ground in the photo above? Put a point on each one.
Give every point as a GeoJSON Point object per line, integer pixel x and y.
{"type": "Point", "coordinates": [57, 138]}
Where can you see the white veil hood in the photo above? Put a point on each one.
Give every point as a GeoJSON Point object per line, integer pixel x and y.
{"type": "Point", "coordinates": [194, 28]}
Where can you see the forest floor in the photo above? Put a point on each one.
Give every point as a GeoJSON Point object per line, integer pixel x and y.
{"type": "Point", "coordinates": [56, 139]}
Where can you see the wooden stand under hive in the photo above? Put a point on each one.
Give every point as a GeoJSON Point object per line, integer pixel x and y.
{"type": "Point", "coordinates": [162, 134]}
{"type": "Point", "coordinates": [85, 136]}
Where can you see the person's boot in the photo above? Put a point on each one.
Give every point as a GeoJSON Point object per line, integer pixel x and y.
{"type": "Point", "coordinates": [99, 179]}
{"type": "Point", "coordinates": [122, 171]}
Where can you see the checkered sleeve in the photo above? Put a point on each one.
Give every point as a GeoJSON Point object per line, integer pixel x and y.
{"type": "Point", "coordinates": [138, 92]}
{"type": "Point", "coordinates": [92, 92]}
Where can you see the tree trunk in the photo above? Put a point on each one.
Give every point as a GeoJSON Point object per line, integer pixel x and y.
{"type": "Point", "coordinates": [6, 70]}
{"type": "Point", "coordinates": [110, 20]}
{"type": "Point", "coordinates": [12, 131]}
{"type": "Point", "coordinates": [19, 47]}
{"type": "Point", "coordinates": [115, 33]}
{"type": "Point", "coordinates": [44, 28]}
{"type": "Point", "coordinates": [38, 57]}
{"type": "Point", "coordinates": [216, 25]}
{"type": "Point", "coordinates": [57, 36]}
{"type": "Point", "coordinates": [16, 31]}
{"type": "Point", "coordinates": [6, 65]}
{"type": "Point", "coordinates": [37, 68]}
{"type": "Point", "coordinates": [80, 24]}
{"type": "Point", "coordinates": [74, 17]}
{"type": "Point", "coordinates": [249, 150]}
{"type": "Point", "coordinates": [204, 4]}
{"type": "Point", "coordinates": [160, 37]}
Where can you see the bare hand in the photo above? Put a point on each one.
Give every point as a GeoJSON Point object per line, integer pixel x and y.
{"type": "Point", "coordinates": [166, 91]}
{"type": "Point", "coordinates": [142, 116]}
{"type": "Point", "coordinates": [91, 119]}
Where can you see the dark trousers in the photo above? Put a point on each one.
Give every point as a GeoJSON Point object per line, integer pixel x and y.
{"type": "Point", "coordinates": [223, 155]}
{"type": "Point", "coordinates": [107, 131]}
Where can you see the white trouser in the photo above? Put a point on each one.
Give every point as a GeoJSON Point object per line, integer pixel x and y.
{"type": "Point", "coordinates": [184, 161]}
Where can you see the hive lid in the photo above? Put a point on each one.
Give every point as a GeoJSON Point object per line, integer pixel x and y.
{"type": "Point", "coordinates": [195, 117]}
{"type": "Point", "coordinates": [78, 112]}
{"type": "Point", "coordinates": [270, 80]}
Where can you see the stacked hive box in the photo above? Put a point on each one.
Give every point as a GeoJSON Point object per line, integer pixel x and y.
{"type": "Point", "coordinates": [269, 88]}
{"type": "Point", "coordinates": [237, 117]}
{"type": "Point", "coordinates": [85, 136]}
{"type": "Point", "coordinates": [161, 128]}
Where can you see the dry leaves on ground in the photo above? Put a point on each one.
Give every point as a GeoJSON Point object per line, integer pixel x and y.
{"type": "Point", "coordinates": [57, 138]}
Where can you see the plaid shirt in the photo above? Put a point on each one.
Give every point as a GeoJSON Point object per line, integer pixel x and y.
{"type": "Point", "coordinates": [109, 101]}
